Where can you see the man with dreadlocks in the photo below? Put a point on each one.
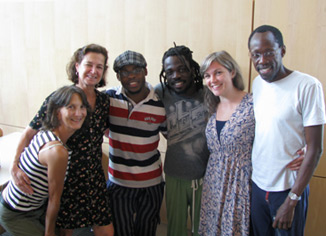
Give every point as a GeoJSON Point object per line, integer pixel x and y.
{"type": "Point", "coordinates": [186, 157]}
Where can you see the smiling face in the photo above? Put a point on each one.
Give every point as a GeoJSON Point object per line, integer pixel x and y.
{"type": "Point", "coordinates": [132, 79]}
{"type": "Point", "coordinates": [218, 79]}
{"type": "Point", "coordinates": [178, 76]}
{"type": "Point", "coordinates": [73, 115]}
{"type": "Point", "coordinates": [267, 56]}
{"type": "Point", "coordinates": [90, 69]}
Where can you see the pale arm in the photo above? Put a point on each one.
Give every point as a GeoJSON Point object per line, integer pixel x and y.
{"type": "Point", "coordinates": [313, 136]}
{"type": "Point", "coordinates": [56, 160]}
{"type": "Point", "coordinates": [297, 162]}
{"type": "Point", "coordinates": [18, 176]}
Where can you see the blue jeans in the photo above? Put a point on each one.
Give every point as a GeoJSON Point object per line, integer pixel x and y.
{"type": "Point", "coordinates": [264, 206]}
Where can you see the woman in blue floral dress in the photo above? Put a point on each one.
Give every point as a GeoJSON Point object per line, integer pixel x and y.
{"type": "Point", "coordinates": [225, 208]}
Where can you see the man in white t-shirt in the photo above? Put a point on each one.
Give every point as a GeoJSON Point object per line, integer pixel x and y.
{"type": "Point", "coordinates": [290, 113]}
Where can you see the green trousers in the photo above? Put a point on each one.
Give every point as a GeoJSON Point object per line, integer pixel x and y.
{"type": "Point", "coordinates": [182, 196]}
{"type": "Point", "coordinates": [22, 223]}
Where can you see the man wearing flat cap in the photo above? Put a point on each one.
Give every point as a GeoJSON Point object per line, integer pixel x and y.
{"type": "Point", "coordinates": [135, 170]}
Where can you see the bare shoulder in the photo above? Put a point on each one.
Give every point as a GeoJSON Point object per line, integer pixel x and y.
{"type": "Point", "coordinates": [52, 152]}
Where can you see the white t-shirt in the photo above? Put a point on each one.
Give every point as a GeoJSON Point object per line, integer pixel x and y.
{"type": "Point", "coordinates": [282, 109]}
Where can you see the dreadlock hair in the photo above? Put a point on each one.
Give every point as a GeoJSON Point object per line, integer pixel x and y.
{"type": "Point", "coordinates": [183, 53]}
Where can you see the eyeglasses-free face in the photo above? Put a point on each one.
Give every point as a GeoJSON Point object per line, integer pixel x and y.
{"type": "Point", "coordinates": [178, 75]}
{"type": "Point", "coordinates": [90, 69]}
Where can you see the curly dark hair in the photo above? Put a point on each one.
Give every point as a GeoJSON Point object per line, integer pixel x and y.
{"type": "Point", "coordinates": [184, 53]}
{"type": "Point", "coordinates": [79, 56]}
{"type": "Point", "coordinates": [61, 98]}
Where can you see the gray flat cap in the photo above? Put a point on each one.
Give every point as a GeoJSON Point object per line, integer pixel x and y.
{"type": "Point", "coordinates": [129, 58]}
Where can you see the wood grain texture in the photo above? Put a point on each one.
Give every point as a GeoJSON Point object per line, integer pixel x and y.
{"type": "Point", "coordinates": [39, 37]}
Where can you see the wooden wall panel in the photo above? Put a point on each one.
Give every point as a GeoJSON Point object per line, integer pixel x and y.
{"type": "Point", "coordinates": [315, 224]}
{"type": "Point", "coordinates": [40, 37]}
{"type": "Point", "coordinates": [12, 89]}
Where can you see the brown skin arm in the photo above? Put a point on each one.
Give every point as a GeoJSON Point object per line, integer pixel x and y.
{"type": "Point", "coordinates": [18, 176]}
{"type": "Point", "coordinates": [313, 136]}
{"type": "Point", "coordinates": [2, 230]}
{"type": "Point", "coordinates": [105, 165]}
{"type": "Point", "coordinates": [56, 159]}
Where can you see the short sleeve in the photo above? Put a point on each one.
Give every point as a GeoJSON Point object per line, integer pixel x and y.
{"type": "Point", "coordinates": [36, 122]}
{"type": "Point", "coordinates": [313, 105]}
